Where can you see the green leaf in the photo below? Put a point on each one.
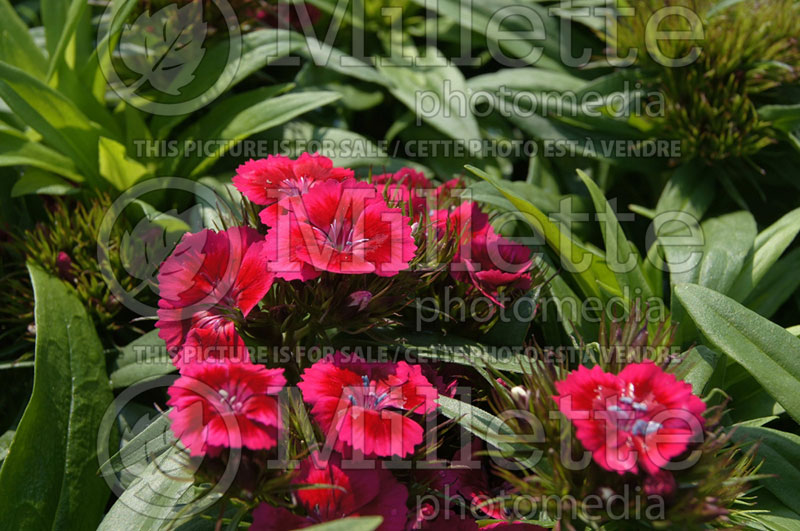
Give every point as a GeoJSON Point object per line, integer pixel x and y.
{"type": "Point", "coordinates": [156, 498]}
{"type": "Point", "coordinates": [575, 259]}
{"type": "Point", "coordinates": [53, 458]}
{"type": "Point", "coordinates": [777, 285]}
{"type": "Point", "coordinates": [781, 453]}
{"type": "Point", "coordinates": [697, 368]}
{"type": "Point", "coordinates": [784, 117]}
{"type": "Point", "coordinates": [36, 181]}
{"type": "Point", "coordinates": [116, 167]}
{"type": "Point", "coordinates": [425, 90]}
{"type": "Point", "coordinates": [363, 523]}
{"type": "Point", "coordinates": [17, 47]}
{"type": "Point", "coordinates": [246, 114]}
{"type": "Point", "coordinates": [768, 247]}
{"type": "Point", "coordinates": [142, 449]}
{"type": "Point", "coordinates": [143, 359]}
{"type": "Point", "coordinates": [16, 149]}
{"type": "Point", "coordinates": [491, 429]}
{"type": "Point", "coordinates": [764, 349]}
{"type": "Point", "coordinates": [624, 255]}
{"type": "Point", "coordinates": [62, 125]}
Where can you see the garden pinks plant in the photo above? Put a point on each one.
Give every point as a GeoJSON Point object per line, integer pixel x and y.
{"type": "Point", "coordinates": [219, 288]}
{"type": "Point", "coordinates": [631, 445]}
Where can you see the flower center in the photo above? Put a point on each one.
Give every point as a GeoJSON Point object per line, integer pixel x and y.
{"type": "Point", "coordinates": [366, 396]}
{"type": "Point", "coordinates": [631, 416]}
{"type": "Point", "coordinates": [339, 235]}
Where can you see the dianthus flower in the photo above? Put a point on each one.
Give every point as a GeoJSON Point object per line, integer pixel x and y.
{"type": "Point", "coordinates": [363, 403]}
{"type": "Point", "coordinates": [341, 227]}
{"type": "Point", "coordinates": [211, 280]}
{"type": "Point", "coordinates": [225, 405]}
{"type": "Point", "coordinates": [483, 258]}
{"type": "Point", "coordinates": [347, 493]}
{"type": "Point", "coordinates": [267, 181]}
{"type": "Point", "coordinates": [642, 416]}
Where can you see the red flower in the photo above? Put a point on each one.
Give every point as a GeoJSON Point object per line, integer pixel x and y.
{"type": "Point", "coordinates": [225, 405]}
{"type": "Point", "coordinates": [352, 493]}
{"type": "Point", "coordinates": [484, 258]}
{"type": "Point", "coordinates": [363, 403]}
{"type": "Point", "coordinates": [405, 186]}
{"type": "Point", "coordinates": [641, 416]}
{"type": "Point", "coordinates": [339, 227]}
{"type": "Point", "coordinates": [267, 181]}
{"type": "Point", "coordinates": [207, 344]}
{"type": "Point", "coordinates": [210, 281]}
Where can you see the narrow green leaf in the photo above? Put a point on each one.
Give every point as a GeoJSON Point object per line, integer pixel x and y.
{"type": "Point", "coordinates": [574, 258]}
{"type": "Point", "coordinates": [768, 247]}
{"type": "Point", "coordinates": [619, 250]}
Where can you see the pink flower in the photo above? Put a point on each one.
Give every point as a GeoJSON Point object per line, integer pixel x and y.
{"type": "Point", "coordinates": [267, 181]}
{"type": "Point", "coordinates": [352, 493]}
{"type": "Point", "coordinates": [484, 258]}
{"type": "Point", "coordinates": [364, 403]}
{"type": "Point", "coordinates": [641, 416]}
{"type": "Point", "coordinates": [406, 187]}
{"type": "Point", "coordinates": [225, 405]}
{"type": "Point", "coordinates": [338, 227]}
{"type": "Point", "coordinates": [207, 344]}
{"type": "Point", "coordinates": [211, 280]}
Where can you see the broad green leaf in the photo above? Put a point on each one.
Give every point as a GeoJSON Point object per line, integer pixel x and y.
{"type": "Point", "coordinates": [520, 30]}
{"type": "Point", "coordinates": [619, 250]}
{"type": "Point", "coordinates": [764, 349]}
{"type": "Point", "coordinates": [36, 181]}
{"type": "Point", "coordinates": [575, 259]}
{"type": "Point", "coordinates": [53, 458]}
{"type": "Point", "coordinates": [16, 149]}
{"type": "Point", "coordinates": [154, 501]}
{"type": "Point", "coordinates": [781, 453]}
{"type": "Point", "coordinates": [117, 167]}
{"type": "Point", "coordinates": [768, 247]}
{"type": "Point", "coordinates": [424, 90]}
{"type": "Point", "coordinates": [363, 523]}
{"type": "Point", "coordinates": [76, 10]}
{"type": "Point", "coordinates": [527, 79]}
{"type": "Point", "coordinates": [689, 190]}
{"type": "Point", "coordinates": [775, 516]}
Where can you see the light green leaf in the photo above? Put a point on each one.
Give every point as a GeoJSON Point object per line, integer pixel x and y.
{"type": "Point", "coordinates": [53, 458]}
{"type": "Point", "coordinates": [116, 167]}
{"type": "Point", "coordinates": [16, 45]}
{"type": "Point", "coordinates": [764, 349]}
{"type": "Point", "coordinates": [363, 523]}
{"type": "Point", "coordinates": [698, 368]}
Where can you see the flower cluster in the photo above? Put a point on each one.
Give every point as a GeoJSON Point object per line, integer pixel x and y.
{"type": "Point", "coordinates": [330, 259]}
